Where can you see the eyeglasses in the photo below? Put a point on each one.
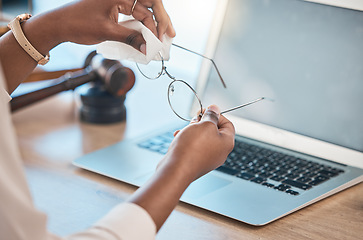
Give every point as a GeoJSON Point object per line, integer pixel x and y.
{"type": "Point", "coordinates": [181, 93]}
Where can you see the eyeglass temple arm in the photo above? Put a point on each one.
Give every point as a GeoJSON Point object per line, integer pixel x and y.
{"type": "Point", "coordinates": [243, 105]}
{"type": "Point", "coordinates": [214, 64]}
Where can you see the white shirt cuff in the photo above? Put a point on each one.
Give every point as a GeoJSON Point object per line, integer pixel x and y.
{"type": "Point", "coordinates": [129, 221]}
{"type": "Point", "coordinates": [4, 96]}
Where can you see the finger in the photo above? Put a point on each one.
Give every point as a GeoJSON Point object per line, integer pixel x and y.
{"type": "Point", "coordinates": [164, 24]}
{"type": "Point", "coordinates": [161, 28]}
{"type": "Point", "coordinates": [170, 30]}
{"type": "Point", "coordinates": [128, 36]}
{"type": "Point", "coordinates": [211, 114]}
{"type": "Point", "coordinates": [145, 16]}
{"type": "Point", "coordinates": [195, 119]}
{"type": "Point", "coordinates": [225, 126]}
{"type": "Point", "coordinates": [176, 133]}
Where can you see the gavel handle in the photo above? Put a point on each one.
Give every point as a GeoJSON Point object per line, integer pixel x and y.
{"type": "Point", "coordinates": [70, 82]}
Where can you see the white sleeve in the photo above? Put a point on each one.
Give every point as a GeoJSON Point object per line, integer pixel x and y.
{"type": "Point", "coordinates": [126, 221]}
{"type": "Point", "coordinates": [4, 96]}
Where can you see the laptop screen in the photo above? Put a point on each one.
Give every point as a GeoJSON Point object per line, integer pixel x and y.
{"type": "Point", "coordinates": [307, 57]}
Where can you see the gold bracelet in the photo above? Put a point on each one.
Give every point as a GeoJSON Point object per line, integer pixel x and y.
{"type": "Point", "coordinates": [15, 27]}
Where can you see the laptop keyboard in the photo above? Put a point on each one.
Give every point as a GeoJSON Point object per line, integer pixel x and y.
{"type": "Point", "coordinates": [273, 169]}
{"type": "Point", "coordinates": [158, 143]}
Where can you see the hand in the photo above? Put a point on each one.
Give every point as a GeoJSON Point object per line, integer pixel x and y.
{"type": "Point", "coordinates": [196, 150]}
{"type": "Point", "coordinates": [83, 22]}
{"type": "Point", "coordinates": [162, 19]}
{"type": "Point", "coordinates": [202, 146]}
{"type": "Point", "coordinates": [94, 21]}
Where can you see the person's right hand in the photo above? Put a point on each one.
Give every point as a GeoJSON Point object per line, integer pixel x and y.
{"type": "Point", "coordinates": [200, 147]}
{"type": "Point", "coordinates": [84, 22]}
{"type": "Point", "coordinates": [94, 21]}
{"type": "Point", "coordinates": [162, 19]}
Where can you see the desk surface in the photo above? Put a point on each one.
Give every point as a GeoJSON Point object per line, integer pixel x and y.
{"type": "Point", "coordinates": [51, 137]}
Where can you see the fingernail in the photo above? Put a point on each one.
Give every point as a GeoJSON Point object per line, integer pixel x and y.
{"type": "Point", "coordinates": [143, 48]}
{"type": "Point", "coordinates": [176, 133]}
{"type": "Point", "coordinates": [195, 119]}
{"type": "Point", "coordinates": [214, 108]}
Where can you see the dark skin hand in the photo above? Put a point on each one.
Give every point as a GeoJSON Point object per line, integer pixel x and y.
{"type": "Point", "coordinates": [84, 22]}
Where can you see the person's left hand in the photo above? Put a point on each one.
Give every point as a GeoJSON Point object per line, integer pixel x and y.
{"type": "Point", "coordinates": [200, 147]}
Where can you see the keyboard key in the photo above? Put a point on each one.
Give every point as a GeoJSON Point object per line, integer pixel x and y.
{"type": "Point", "coordinates": [163, 150]}
{"type": "Point", "coordinates": [304, 179]}
{"type": "Point", "coordinates": [229, 171]}
{"type": "Point", "coordinates": [246, 175]}
{"type": "Point", "coordinates": [268, 168]}
{"type": "Point", "coordinates": [264, 174]}
{"type": "Point", "coordinates": [298, 170]}
{"type": "Point", "coordinates": [282, 187]}
{"type": "Point", "coordinates": [169, 136]}
{"type": "Point", "coordinates": [157, 141]}
{"type": "Point", "coordinates": [310, 174]}
{"type": "Point", "coordinates": [144, 145]}
{"type": "Point", "coordinates": [292, 192]}
{"type": "Point", "coordinates": [292, 175]}
{"type": "Point", "coordinates": [270, 185]}
{"type": "Point", "coordinates": [328, 173]}
{"type": "Point", "coordinates": [155, 148]}
{"type": "Point", "coordinates": [253, 170]}
{"type": "Point", "coordinates": [315, 182]}
{"type": "Point", "coordinates": [277, 178]}
{"type": "Point", "coordinates": [258, 180]}
{"type": "Point", "coordinates": [297, 184]}
{"type": "Point", "coordinates": [319, 179]}
{"type": "Point", "coordinates": [280, 172]}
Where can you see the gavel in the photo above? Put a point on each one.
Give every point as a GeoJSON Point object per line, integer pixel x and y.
{"type": "Point", "coordinates": [103, 102]}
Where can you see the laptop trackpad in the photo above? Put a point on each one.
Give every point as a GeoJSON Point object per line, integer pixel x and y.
{"type": "Point", "coordinates": [204, 185]}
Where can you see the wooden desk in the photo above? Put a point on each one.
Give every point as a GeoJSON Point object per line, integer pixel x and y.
{"type": "Point", "coordinates": [51, 137]}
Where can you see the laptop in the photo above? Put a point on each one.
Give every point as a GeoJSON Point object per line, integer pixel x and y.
{"type": "Point", "coordinates": [302, 147]}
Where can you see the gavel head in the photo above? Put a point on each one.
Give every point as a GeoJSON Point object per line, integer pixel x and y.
{"type": "Point", "coordinates": [115, 78]}
{"type": "Point", "coordinates": [103, 102]}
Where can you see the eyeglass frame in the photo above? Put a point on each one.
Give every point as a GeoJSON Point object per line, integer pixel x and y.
{"type": "Point", "coordinates": [164, 71]}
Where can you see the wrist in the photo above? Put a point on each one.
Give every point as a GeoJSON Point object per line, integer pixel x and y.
{"type": "Point", "coordinates": [162, 192]}
{"type": "Point", "coordinates": [42, 32]}
{"type": "Point", "coordinates": [177, 168]}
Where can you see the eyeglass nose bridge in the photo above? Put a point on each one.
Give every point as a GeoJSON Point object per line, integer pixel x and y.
{"type": "Point", "coordinates": [168, 74]}
{"type": "Point", "coordinates": [163, 68]}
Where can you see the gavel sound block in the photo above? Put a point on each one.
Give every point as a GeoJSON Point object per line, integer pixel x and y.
{"type": "Point", "coordinates": [103, 102]}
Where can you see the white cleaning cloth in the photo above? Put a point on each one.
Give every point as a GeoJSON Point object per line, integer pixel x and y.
{"type": "Point", "coordinates": [120, 51]}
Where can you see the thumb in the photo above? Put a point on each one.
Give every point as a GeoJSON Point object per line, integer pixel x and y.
{"type": "Point", "coordinates": [130, 37]}
{"type": "Point", "coordinates": [211, 114]}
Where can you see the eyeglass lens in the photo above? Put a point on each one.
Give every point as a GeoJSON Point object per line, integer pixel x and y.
{"type": "Point", "coordinates": [152, 70]}
{"type": "Point", "coordinates": [180, 97]}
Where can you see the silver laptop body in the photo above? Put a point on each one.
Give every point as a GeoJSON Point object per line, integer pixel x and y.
{"type": "Point", "coordinates": [308, 58]}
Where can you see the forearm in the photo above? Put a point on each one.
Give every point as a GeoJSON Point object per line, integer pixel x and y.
{"type": "Point", "coordinates": [16, 63]}
{"type": "Point", "coordinates": [161, 194]}
{"type": "Point", "coordinates": [83, 22]}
